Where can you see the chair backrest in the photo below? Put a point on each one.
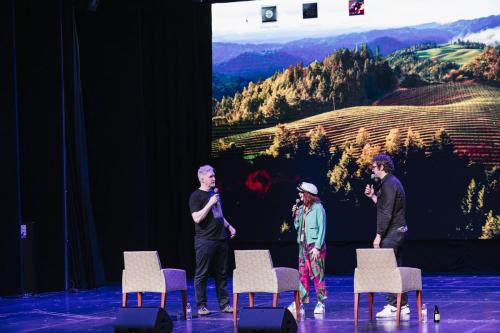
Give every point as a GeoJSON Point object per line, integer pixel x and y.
{"type": "Point", "coordinates": [253, 261]}
{"type": "Point", "coordinates": [142, 272]}
{"type": "Point", "coordinates": [376, 259]}
{"type": "Point", "coordinates": [142, 261]}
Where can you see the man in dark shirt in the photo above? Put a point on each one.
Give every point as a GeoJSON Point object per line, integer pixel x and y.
{"type": "Point", "coordinates": [210, 241]}
{"type": "Point", "coordinates": [391, 220]}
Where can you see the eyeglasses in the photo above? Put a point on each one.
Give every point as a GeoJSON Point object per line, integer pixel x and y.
{"type": "Point", "coordinates": [372, 167]}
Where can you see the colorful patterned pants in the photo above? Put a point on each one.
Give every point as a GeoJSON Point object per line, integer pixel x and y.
{"type": "Point", "coordinates": [312, 270]}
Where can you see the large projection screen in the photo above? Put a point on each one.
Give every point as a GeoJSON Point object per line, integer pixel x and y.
{"type": "Point", "coordinates": [315, 99]}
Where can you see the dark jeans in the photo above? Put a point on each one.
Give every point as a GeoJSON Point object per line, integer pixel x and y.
{"type": "Point", "coordinates": [395, 239]}
{"type": "Point", "coordinates": [211, 257]}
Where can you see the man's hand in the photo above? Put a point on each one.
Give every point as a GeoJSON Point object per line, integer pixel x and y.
{"type": "Point", "coordinates": [294, 210]}
{"type": "Point", "coordinates": [369, 191]}
{"type": "Point", "coordinates": [213, 200]}
{"type": "Point", "coordinates": [232, 231]}
{"type": "Point", "coordinates": [376, 242]}
{"type": "Point", "coordinates": [314, 254]}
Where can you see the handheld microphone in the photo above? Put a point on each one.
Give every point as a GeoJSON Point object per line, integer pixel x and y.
{"type": "Point", "coordinates": [374, 179]}
{"type": "Point", "coordinates": [217, 208]}
{"type": "Point", "coordinates": [297, 201]}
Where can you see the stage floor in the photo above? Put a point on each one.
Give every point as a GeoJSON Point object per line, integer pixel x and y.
{"type": "Point", "coordinates": [467, 304]}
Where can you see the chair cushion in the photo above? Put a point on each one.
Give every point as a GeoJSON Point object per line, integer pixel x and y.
{"type": "Point", "coordinates": [288, 278]}
{"type": "Point", "coordinates": [411, 278]}
{"type": "Point", "coordinates": [175, 279]}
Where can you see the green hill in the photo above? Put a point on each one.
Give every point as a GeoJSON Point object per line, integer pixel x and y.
{"type": "Point", "coordinates": [469, 112]}
{"type": "Point", "coordinates": [451, 53]}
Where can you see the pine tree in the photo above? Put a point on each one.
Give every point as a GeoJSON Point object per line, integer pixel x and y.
{"type": "Point", "coordinates": [339, 176]}
{"type": "Point", "coordinates": [365, 158]}
{"type": "Point", "coordinates": [284, 142]}
{"type": "Point", "coordinates": [363, 137]}
{"type": "Point", "coordinates": [319, 144]}
{"type": "Point", "coordinates": [468, 201]}
{"type": "Point", "coordinates": [473, 209]}
{"type": "Point", "coordinates": [491, 228]}
{"type": "Point", "coordinates": [393, 142]}
{"type": "Point", "coordinates": [413, 141]}
{"type": "Point", "coordinates": [441, 141]}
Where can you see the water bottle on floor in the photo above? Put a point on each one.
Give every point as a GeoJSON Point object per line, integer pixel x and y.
{"type": "Point", "coordinates": [302, 312]}
{"type": "Point", "coordinates": [424, 312]}
{"type": "Point", "coordinates": [189, 314]}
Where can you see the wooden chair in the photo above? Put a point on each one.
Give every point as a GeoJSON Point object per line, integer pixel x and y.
{"type": "Point", "coordinates": [255, 273]}
{"type": "Point", "coordinates": [143, 273]}
{"type": "Point", "coordinates": [377, 272]}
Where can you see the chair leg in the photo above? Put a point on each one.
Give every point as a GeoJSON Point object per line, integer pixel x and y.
{"type": "Point", "coordinates": [139, 299]}
{"type": "Point", "coordinates": [370, 305]}
{"type": "Point", "coordinates": [235, 307]}
{"type": "Point", "coordinates": [356, 304]}
{"type": "Point", "coordinates": [184, 302]}
{"type": "Point", "coordinates": [251, 299]}
{"type": "Point", "coordinates": [398, 309]}
{"type": "Point", "coordinates": [276, 298]}
{"type": "Point", "coordinates": [124, 300]}
{"type": "Point", "coordinates": [419, 304]}
{"type": "Point", "coordinates": [163, 300]}
{"type": "Point", "coordinates": [296, 297]}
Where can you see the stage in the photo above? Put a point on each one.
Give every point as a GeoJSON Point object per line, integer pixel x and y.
{"type": "Point", "coordinates": [467, 303]}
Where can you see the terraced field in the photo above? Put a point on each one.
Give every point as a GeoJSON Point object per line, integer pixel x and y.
{"type": "Point", "coordinates": [469, 112]}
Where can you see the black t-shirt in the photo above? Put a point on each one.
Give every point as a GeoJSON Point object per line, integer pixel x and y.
{"type": "Point", "coordinates": [210, 227]}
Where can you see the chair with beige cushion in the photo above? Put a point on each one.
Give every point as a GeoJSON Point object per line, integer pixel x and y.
{"type": "Point", "coordinates": [377, 272]}
{"type": "Point", "coordinates": [143, 273]}
{"type": "Point", "coordinates": [255, 273]}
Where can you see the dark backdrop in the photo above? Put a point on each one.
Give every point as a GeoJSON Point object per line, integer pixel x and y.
{"type": "Point", "coordinates": [137, 87]}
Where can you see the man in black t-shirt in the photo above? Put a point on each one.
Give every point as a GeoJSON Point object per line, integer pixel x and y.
{"type": "Point", "coordinates": [210, 240]}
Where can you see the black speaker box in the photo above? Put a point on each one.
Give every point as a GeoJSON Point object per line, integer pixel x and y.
{"type": "Point", "coordinates": [142, 320]}
{"type": "Point", "coordinates": [266, 320]}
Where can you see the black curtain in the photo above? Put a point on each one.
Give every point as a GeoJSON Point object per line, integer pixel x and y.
{"type": "Point", "coordinates": [10, 216]}
{"type": "Point", "coordinates": [177, 95]}
{"type": "Point", "coordinates": [42, 83]}
{"type": "Point", "coordinates": [146, 76]}
{"type": "Point", "coordinates": [137, 129]}
{"type": "Point", "coordinates": [86, 269]}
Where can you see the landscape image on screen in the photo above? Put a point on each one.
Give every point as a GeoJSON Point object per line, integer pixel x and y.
{"type": "Point", "coordinates": [315, 100]}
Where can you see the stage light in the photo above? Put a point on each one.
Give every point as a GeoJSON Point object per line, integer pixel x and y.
{"type": "Point", "coordinates": [310, 10]}
{"type": "Point", "coordinates": [269, 14]}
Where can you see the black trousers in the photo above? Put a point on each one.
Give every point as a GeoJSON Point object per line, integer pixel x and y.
{"type": "Point", "coordinates": [211, 257]}
{"type": "Point", "coordinates": [395, 239]}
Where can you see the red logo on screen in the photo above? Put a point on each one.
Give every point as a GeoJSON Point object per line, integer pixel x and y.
{"type": "Point", "coordinates": [258, 181]}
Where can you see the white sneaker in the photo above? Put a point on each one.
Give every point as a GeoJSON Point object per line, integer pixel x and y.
{"type": "Point", "coordinates": [390, 311]}
{"type": "Point", "coordinates": [291, 308]}
{"type": "Point", "coordinates": [320, 308]}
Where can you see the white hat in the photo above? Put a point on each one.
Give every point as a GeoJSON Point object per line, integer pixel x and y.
{"type": "Point", "coordinates": [308, 187]}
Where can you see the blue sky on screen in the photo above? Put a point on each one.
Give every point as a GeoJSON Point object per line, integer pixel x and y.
{"type": "Point", "coordinates": [241, 21]}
